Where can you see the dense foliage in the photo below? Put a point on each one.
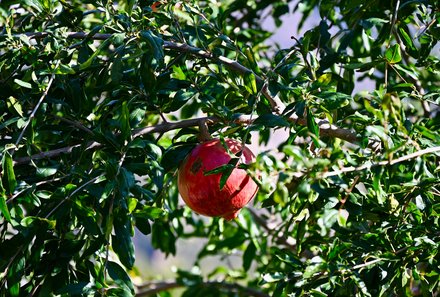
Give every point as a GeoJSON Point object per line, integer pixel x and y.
{"type": "Point", "coordinates": [101, 100]}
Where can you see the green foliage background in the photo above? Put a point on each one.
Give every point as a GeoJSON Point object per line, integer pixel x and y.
{"type": "Point", "coordinates": [100, 100]}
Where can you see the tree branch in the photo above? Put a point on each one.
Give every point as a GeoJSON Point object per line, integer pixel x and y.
{"type": "Point", "coordinates": [369, 165]}
{"type": "Point", "coordinates": [277, 105]}
{"type": "Point", "coordinates": [157, 287]}
{"type": "Point", "coordinates": [326, 129]}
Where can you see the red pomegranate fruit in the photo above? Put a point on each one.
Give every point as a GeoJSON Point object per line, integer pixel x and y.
{"type": "Point", "coordinates": [201, 191]}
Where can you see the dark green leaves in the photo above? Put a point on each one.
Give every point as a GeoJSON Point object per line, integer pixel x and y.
{"type": "Point", "coordinates": [154, 46]}
{"type": "Point", "coordinates": [334, 100]}
{"type": "Point", "coordinates": [174, 155]}
{"type": "Point", "coordinates": [120, 277]}
{"type": "Point", "coordinates": [122, 242]}
{"type": "Point", "coordinates": [270, 120]}
{"type": "Point", "coordinates": [348, 200]}
{"type": "Point", "coordinates": [225, 171]}
{"type": "Point", "coordinates": [311, 124]}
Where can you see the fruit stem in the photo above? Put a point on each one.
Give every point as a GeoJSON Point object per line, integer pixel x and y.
{"type": "Point", "coordinates": [204, 134]}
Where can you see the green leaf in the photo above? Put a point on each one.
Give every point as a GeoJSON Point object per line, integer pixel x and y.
{"type": "Point", "coordinates": [251, 59]}
{"type": "Point", "coordinates": [8, 179]}
{"type": "Point", "coordinates": [342, 217]}
{"type": "Point", "coordinates": [250, 82]}
{"type": "Point", "coordinates": [271, 120]}
{"type": "Point", "coordinates": [90, 60]}
{"type": "Point", "coordinates": [121, 242]}
{"type": "Point", "coordinates": [249, 256]}
{"type": "Point", "coordinates": [225, 171]}
{"type": "Point", "coordinates": [124, 120]}
{"type": "Point", "coordinates": [150, 212]}
{"type": "Point", "coordinates": [119, 276]}
{"type": "Point", "coordinates": [4, 208]}
{"type": "Point", "coordinates": [64, 70]}
{"type": "Point", "coordinates": [407, 40]}
{"type": "Point", "coordinates": [393, 54]}
{"type": "Point", "coordinates": [15, 105]}
{"type": "Point", "coordinates": [272, 277]}
{"type": "Point", "coordinates": [116, 71]}
{"type": "Point", "coordinates": [311, 123]}
{"type": "Point", "coordinates": [118, 292]}
{"type": "Point", "coordinates": [174, 155]}
{"type": "Point", "coordinates": [225, 175]}
{"type": "Point", "coordinates": [147, 74]}
{"type": "Point", "coordinates": [334, 100]}
{"type": "Point", "coordinates": [155, 46]}
{"type": "Point", "coordinates": [143, 224]}
{"type": "Point", "coordinates": [15, 273]}
{"type": "Point", "coordinates": [46, 171]}
{"type": "Point", "coordinates": [76, 289]}
{"type": "Point", "coordinates": [38, 222]}
{"type": "Point", "coordinates": [23, 83]}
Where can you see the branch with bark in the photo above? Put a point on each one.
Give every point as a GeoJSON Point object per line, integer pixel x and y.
{"type": "Point", "coordinates": [325, 128]}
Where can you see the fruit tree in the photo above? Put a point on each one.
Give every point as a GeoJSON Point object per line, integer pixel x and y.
{"type": "Point", "coordinates": [103, 101]}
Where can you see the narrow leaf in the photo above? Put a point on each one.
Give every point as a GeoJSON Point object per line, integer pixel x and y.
{"type": "Point", "coordinates": [23, 83]}
{"type": "Point", "coordinates": [225, 176]}
{"type": "Point", "coordinates": [311, 123]}
{"type": "Point", "coordinates": [9, 180]}
{"type": "Point", "coordinates": [89, 61]}
{"type": "Point", "coordinates": [121, 242]}
{"type": "Point", "coordinates": [4, 208]}
{"type": "Point", "coordinates": [250, 82]}
{"type": "Point", "coordinates": [125, 121]}
{"type": "Point", "coordinates": [249, 256]}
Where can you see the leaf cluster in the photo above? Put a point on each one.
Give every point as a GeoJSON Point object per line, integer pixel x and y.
{"type": "Point", "coordinates": [100, 102]}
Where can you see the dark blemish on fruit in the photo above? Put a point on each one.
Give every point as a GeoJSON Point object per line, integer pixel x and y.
{"type": "Point", "coordinates": [196, 166]}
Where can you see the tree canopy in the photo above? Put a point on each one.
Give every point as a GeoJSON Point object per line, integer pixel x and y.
{"type": "Point", "coordinates": [102, 100]}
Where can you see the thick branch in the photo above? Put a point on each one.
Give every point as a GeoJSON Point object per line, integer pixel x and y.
{"type": "Point", "coordinates": [277, 105]}
{"type": "Point", "coordinates": [326, 130]}
{"type": "Point", "coordinates": [153, 288]}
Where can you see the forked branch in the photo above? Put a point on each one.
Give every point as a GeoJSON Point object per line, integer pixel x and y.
{"type": "Point", "coordinates": [326, 129]}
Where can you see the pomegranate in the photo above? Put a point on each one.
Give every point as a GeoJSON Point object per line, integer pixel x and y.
{"type": "Point", "coordinates": [201, 191]}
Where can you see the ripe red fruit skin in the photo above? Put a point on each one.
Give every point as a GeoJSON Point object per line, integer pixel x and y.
{"type": "Point", "coordinates": [202, 192]}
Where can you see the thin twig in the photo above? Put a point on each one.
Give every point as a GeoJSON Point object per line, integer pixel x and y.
{"type": "Point", "coordinates": [73, 193]}
{"type": "Point", "coordinates": [34, 111]}
{"type": "Point", "coordinates": [76, 124]}
{"type": "Point", "coordinates": [431, 150]}
{"type": "Point", "coordinates": [55, 152]}
{"type": "Point", "coordinates": [157, 287]}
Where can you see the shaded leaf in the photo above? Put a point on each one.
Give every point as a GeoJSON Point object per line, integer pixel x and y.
{"type": "Point", "coordinates": [271, 120]}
